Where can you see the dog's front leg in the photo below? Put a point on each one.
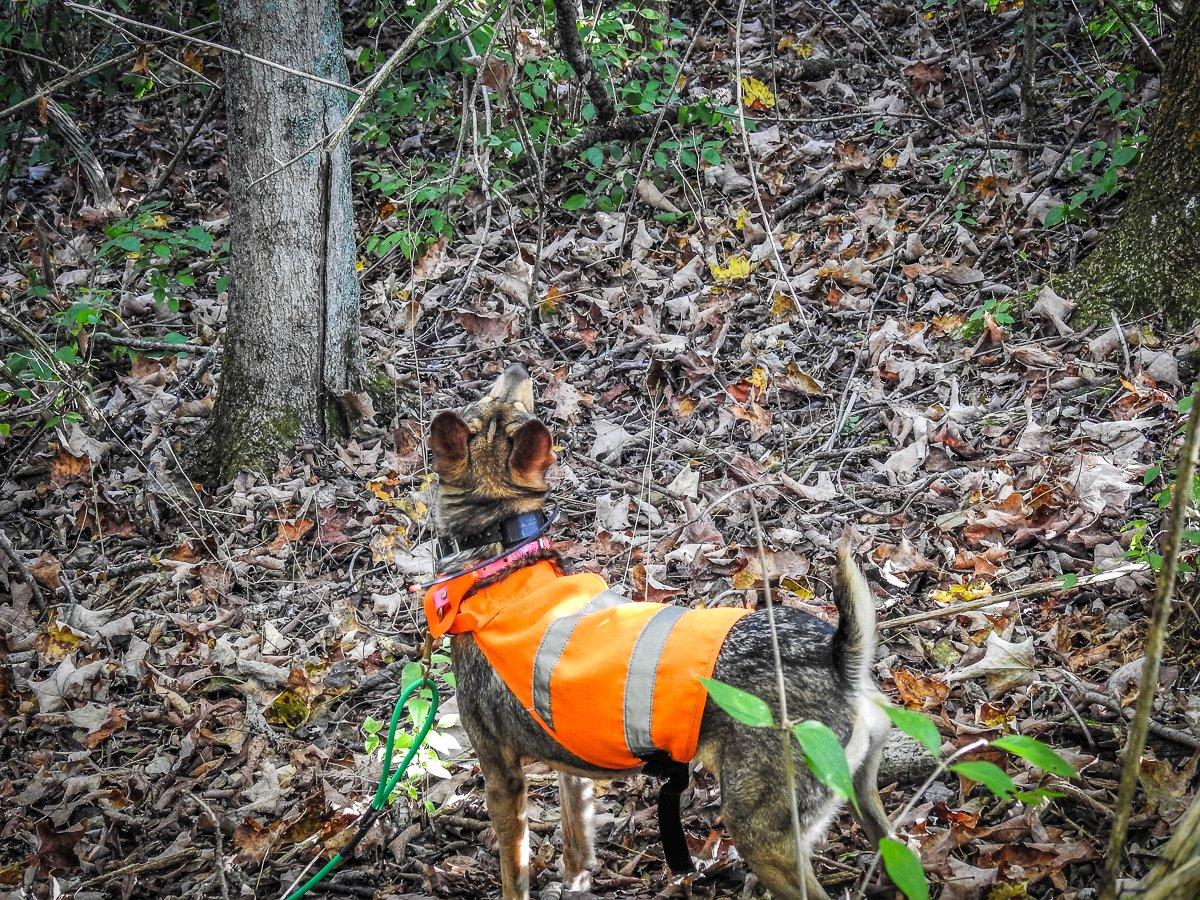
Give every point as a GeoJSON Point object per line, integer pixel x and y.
{"type": "Point", "coordinates": [504, 788]}
{"type": "Point", "coordinates": [575, 797]}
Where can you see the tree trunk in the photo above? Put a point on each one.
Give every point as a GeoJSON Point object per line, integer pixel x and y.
{"type": "Point", "coordinates": [292, 337]}
{"type": "Point", "coordinates": [1149, 261]}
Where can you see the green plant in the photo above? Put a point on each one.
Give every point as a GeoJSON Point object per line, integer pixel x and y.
{"type": "Point", "coordinates": [1141, 533]}
{"type": "Point", "coordinates": [999, 311]}
{"type": "Point", "coordinates": [826, 759]}
{"type": "Point", "coordinates": [439, 743]}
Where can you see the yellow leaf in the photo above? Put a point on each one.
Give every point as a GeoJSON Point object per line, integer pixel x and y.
{"type": "Point", "coordinates": [782, 306]}
{"type": "Point", "coordinates": [744, 580]}
{"type": "Point", "coordinates": [758, 378]}
{"type": "Point", "coordinates": [798, 587]}
{"type": "Point", "coordinates": [736, 268]}
{"type": "Point", "coordinates": [741, 219]}
{"type": "Point", "coordinates": [159, 220]}
{"type": "Point", "coordinates": [359, 265]}
{"type": "Point", "coordinates": [889, 160]}
{"type": "Point", "coordinates": [756, 95]}
{"type": "Point", "coordinates": [962, 593]}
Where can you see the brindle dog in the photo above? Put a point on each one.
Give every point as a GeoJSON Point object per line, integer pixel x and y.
{"type": "Point", "coordinates": [491, 461]}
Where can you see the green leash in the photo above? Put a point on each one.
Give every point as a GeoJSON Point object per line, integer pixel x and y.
{"type": "Point", "coordinates": [387, 782]}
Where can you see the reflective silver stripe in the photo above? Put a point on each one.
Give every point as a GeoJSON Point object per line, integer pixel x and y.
{"type": "Point", "coordinates": [639, 682]}
{"type": "Point", "coordinates": [554, 642]}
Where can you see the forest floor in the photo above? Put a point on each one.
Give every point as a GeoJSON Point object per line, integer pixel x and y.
{"type": "Point", "coordinates": [187, 700]}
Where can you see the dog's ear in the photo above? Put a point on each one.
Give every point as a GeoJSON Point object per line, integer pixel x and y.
{"type": "Point", "coordinates": [448, 437]}
{"type": "Point", "coordinates": [531, 455]}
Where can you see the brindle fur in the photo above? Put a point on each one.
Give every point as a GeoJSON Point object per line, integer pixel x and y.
{"type": "Point", "coordinates": [491, 461]}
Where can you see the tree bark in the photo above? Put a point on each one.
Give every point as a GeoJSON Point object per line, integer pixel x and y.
{"type": "Point", "coordinates": [1149, 261]}
{"type": "Point", "coordinates": [292, 336]}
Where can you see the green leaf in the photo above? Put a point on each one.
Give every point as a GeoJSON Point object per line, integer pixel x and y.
{"type": "Point", "coordinates": [1151, 474]}
{"type": "Point", "coordinates": [743, 707]}
{"type": "Point", "coordinates": [371, 726]}
{"type": "Point", "coordinates": [575, 201]}
{"type": "Point", "coordinates": [594, 155]}
{"type": "Point", "coordinates": [1068, 581]}
{"type": "Point", "coordinates": [916, 726]}
{"type": "Point", "coordinates": [904, 868]}
{"type": "Point", "coordinates": [990, 775]}
{"type": "Point", "coordinates": [1123, 156]}
{"type": "Point", "coordinates": [1185, 405]}
{"type": "Point", "coordinates": [1056, 215]}
{"type": "Point", "coordinates": [1037, 795]}
{"type": "Point", "coordinates": [410, 673]}
{"type": "Point", "coordinates": [826, 758]}
{"type": "Point", "coordinates": [1036, 753]}
{"type": "Point", "coordinates": [128, 243]}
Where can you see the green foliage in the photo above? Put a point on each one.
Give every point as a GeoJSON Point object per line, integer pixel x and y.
{"type": "Point", "coordinates": [990, 775]}
{"type": "Point", "coordinates": [739, 705]}
{"type": "Point", "coordinates": [904, 868]}
{"type": "Point", "coordinates": [915, 726]}
{"type": "Point", "coordinates": [439, 743]}
{"type": "Point", "coordinates": [1036, 753]}
{"type": "Point", "coordinates": [826, 758]}
{"type": "Point", "coordinates": [1001, 312]}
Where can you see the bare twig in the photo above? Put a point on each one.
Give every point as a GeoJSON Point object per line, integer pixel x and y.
{"type": "Point", "coordinates": [220, 842]}
{"type": "Point", "coordinates": [566, 23]}
{"type": "Point", "coordinates": [1166, 732]}
{"type": "Point", "coordinates": [154, 864]}
{"type": "Point", "coordinates": [789, 765]}
{"type": "Point", "coordinates": [1137, 33]}
{"type": "Point", "coordinates": [1032, 590]}
{"type": "Point", "coordinates": [205, 113]}
{"type": "Point", "coordinates": [1161, 613]}
{"type": "Point", "coordinates": [80, 74]}
{"type": "Point", "coordinates": [19, 564]}
{"type": "Point", "coordinates": [105, 14]}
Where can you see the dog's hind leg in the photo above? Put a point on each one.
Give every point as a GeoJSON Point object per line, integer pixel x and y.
{"type": "Point", "coordinates": [575, 797]}
{"type": "Point", "coordinates": [504, 790]}
{"type": "Point", "coordinates": [872, 817]}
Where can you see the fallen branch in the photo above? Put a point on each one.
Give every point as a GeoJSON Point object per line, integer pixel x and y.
{"type": "Point", "coordinates": [566, 18]}
{"type": "Point", "coordinates": [154, 864]}
{"type": "Point", "coordinates": [1155, 636]}
{"type": "Point", "coordinates": [1032, 590]}
{"type": "Point", "coordinates": [1165, 732]}
{"type": "Point", "coordinates": [72, 137]}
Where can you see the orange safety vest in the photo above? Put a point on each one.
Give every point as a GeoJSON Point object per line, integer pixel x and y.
{"type": "Point", "coordinates": [613, 681]}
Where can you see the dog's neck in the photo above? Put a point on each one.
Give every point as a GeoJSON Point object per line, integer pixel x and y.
{"type": "Point", "coordinates": [475, 532]}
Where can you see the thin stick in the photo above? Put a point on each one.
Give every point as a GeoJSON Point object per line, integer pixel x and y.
{"type": "Point", "coordinates": [1032, 590]}
{"type": "Point", "coordinates": [385, 71]}
{"type": "Point", "coordinates": [105, 14]}
{"type": "Point", "coordinates": [1161, 614]}
{"type": "Point", "coordinates": [1137, 33]}
{"type": "Point", "coordinates": [220, 842]}
{"type": "Point", "coordinates": [19, 564]}
{"type": "Point", "coordinates": [205, 113]}
{"type": "Point", "coordinates": [789, 763]}
{"type": "Point", "coordinates": [1165, 732]}
{"type": "Point", "coordinates": [81, 74]}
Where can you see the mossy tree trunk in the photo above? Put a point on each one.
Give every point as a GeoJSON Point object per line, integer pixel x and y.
{"type": "Point", "coordinates": [292, 337]}
{"type": "Point", "coordinates": [1149, 261]}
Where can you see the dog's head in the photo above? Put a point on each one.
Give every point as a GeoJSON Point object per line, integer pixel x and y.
{"type": "Point", "coordinates": [492, 458]}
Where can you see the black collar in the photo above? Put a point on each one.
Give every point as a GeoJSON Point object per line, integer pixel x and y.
{"type": "Point", "coordinates": [507, 532]}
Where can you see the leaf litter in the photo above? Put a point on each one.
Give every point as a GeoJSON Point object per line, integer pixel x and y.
{"type": "Point", "coordinates": [229, 647]}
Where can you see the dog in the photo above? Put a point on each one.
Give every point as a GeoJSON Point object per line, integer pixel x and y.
{"type": "Point", "coordinates": [491, 459]}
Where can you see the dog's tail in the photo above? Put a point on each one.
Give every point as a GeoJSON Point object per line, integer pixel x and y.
{"type": "Point", "coordinates": [854, 640]}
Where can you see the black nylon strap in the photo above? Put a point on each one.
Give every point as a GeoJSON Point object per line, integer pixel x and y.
{"type": "Point", "coordinates": [670, 825]}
